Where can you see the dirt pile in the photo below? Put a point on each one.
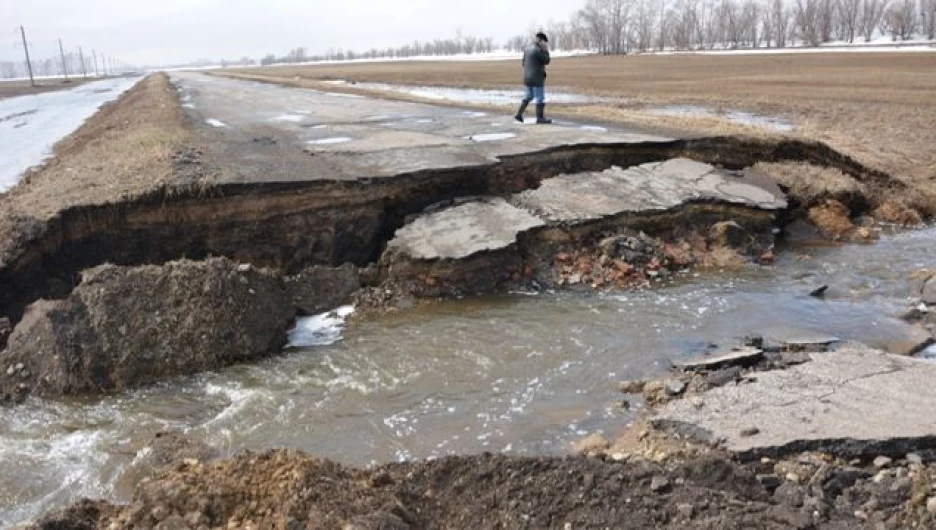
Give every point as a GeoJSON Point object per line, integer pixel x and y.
{"type": "Point", "coordinates": [127, 326]}
{"type": "Point", "coordinates": [285, 490]}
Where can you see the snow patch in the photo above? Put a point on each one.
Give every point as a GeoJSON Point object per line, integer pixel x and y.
{"type": "Point", "coordinates": [319, 330]}
{"type": "Point", "coordinates": [594, 128]}
{"type": "Point", "coordinates": [215, 123]}
{"type": "Point", "coordinates": [30, 125]}
{"type": "Point", "coordinates": [342, 95]}
{"type": "Point", "coordinates": [332, 140]}
{"type": "Point", "coordinates": [490, 137]}
{"type": "Point", "coordinates": [293, 118]}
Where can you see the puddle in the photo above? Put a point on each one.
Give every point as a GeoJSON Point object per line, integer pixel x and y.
{"type": "Point", "coordinates": [745, 118]}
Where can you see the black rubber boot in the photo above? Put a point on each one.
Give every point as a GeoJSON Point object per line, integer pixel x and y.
{"type": "Point", "coordinates": [523, 106]}
{"type": "Point", "coordinates": [540, 110]}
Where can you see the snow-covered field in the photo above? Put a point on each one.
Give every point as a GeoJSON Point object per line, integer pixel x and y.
{"type": "Point", "coordinates": [31, 125]}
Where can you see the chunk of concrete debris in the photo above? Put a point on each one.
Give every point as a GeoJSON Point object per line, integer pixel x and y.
{"type": "Point", "coordinates": [854, 402]}
{"type": "Point", "coordinates": [740, 357]}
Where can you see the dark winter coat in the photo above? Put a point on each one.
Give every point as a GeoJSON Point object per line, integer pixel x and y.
{"type": "Point", "coordinates": [535, 60]}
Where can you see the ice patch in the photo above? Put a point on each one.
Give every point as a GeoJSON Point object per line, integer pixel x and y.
{"type": "Point", "coordinates": [474, 114]}
{"type": "Point", "coordinates": [215, 123]}
{"type": "Point", "coordinates": [318, 126]}
{"type": "Point", "coordinates": [30, 125]}
{"type": "Point", "coordinates": [319, 330]}
{"type": "Point", "coordinates": [294, 118]}
{"type": "Point", "coordinates": [594, 128]}
{"type": "Point", "coordinates": [188, 105]}
{"type": "Point", "coordinates": [332, 140]}
{"type": "Point", "coordinates": [490, 137]}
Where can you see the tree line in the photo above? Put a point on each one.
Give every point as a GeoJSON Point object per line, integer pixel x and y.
{"type": "Point", "coordinates": [625, 26]}
{"type": "Point", "coordinates": [460, 44]}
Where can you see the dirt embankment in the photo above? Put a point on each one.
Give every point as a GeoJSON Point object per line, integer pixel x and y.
{"type": "Point", "coordinates": [288, 490]}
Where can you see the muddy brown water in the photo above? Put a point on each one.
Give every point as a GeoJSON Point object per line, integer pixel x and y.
{"type": "Point", "coordinates": [523, 373]}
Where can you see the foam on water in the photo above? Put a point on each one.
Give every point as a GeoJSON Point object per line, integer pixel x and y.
{"type": "Point", "coordinates": [319, 330]}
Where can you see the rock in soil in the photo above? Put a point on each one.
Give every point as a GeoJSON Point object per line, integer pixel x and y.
{"type": "Point", "coordinates": [128, 326]}
{"type": "Point", "coordinates": [832, 219]}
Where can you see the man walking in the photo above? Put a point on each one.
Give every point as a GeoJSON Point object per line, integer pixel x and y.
{"type": "Point", "coordinates": [535, 59]}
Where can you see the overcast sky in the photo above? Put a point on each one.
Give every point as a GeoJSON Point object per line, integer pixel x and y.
{"type": "Point", "coordinates": [154, 32]}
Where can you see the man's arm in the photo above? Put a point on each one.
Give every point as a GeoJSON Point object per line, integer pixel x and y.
{"type": "Point", "coordinates": [543, 53]}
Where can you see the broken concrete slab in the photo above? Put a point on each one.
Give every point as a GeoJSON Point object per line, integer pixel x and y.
{"type": "Point", "coordinates": [739, 357]}
{"type": "Point", "coordinates": [458, 232]}
{"type": "Point", "coordinates": [656, 186]}
{"type": "Point", "coordinates": [493, 223]}
{"type": "Point", "coordinates": [854, 402]}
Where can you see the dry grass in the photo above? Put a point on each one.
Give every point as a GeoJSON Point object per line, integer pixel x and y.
{"type": "Point", "coordinates": [877, 107]}
{"type": "Point", "coordinates": [9, 89]}
{"type": "Point", "coordinates": [122, 151]}
{"type": "Point", "coordinates": [809, 183]}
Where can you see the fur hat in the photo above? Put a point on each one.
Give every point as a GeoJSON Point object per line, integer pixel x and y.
{"type": "Point", "coordinates": [542, 36]}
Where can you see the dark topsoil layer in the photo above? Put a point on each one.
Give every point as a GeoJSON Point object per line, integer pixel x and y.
{"type": "Point", "coordinates": [287, 490]}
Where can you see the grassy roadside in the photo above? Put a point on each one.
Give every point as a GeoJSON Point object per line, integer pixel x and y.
{"type": "Point", "coordinates": [876, 107]}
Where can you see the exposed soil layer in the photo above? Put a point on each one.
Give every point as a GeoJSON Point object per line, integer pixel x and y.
{"type": "Point", "coordinates": [289, 226]}
{"type": "Point", "coordinates": [286, 490]}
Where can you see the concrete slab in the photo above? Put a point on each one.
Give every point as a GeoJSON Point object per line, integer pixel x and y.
{"type": "Point", "coordinates": [656, 186]}
{"type": "Point", "coordinates": [492, 223]}
{"type": "Point", "coordinates": [276, 133]}
{"type": "Point", "coordinates": [460, 231]}
{"type": "Point", "coordinates": [855, 401]}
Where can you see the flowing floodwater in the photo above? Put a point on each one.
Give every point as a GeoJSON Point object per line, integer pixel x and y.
{"type": "Point", "coordinates": [521, 373]}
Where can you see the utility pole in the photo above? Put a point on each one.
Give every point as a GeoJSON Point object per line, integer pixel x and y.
{"type": "Point", "coordinates": [84, 71]}
{"type": "Point", "coordinates": [32, 82]}
{"type": "Point", "coordinates": [64, 68]}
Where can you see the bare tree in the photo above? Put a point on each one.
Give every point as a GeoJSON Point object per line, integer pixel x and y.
{"type": "Point", "coordinates": [871, 13]}
{"type": "Point", "coordinates": [808, 16]}
{"type": "Point", "coordinates": [900, 20]}
{"type": "Point", "coordinates": [928, 18]}
{"type": "Point", "coordinates": [848, 12]}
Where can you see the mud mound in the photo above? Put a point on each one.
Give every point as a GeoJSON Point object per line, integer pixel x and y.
{"type": "Point", "coordinates": [286, 490]}
{"type": "Point", "coordinates": [127, 326]}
